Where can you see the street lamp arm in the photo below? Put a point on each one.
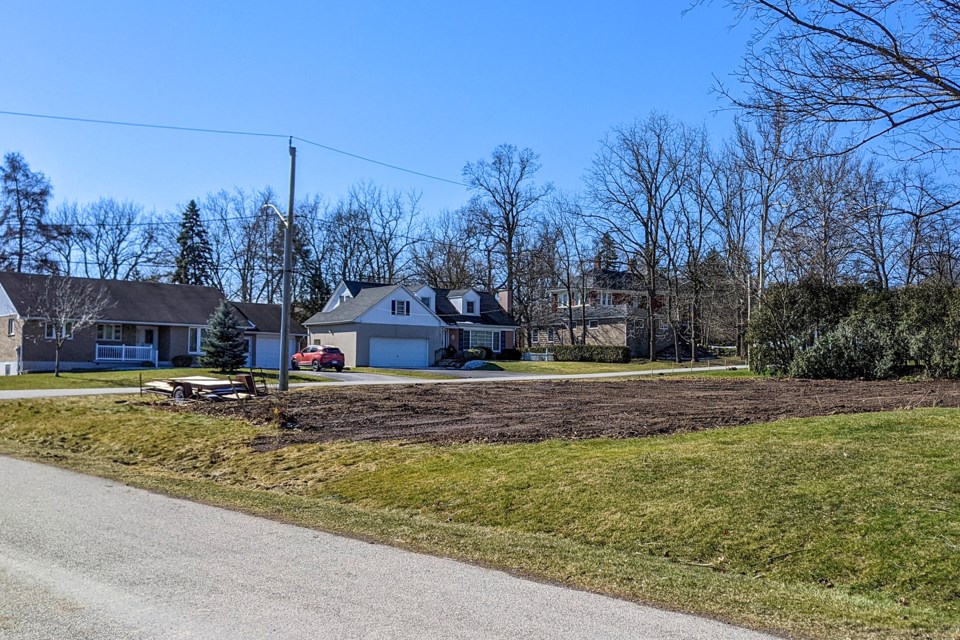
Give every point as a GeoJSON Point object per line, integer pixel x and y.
{"type": "Point", "coordinates": [276, 211]}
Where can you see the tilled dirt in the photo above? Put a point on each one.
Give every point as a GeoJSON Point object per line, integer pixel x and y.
{"type": "Point", "coordinates": [535, 411]}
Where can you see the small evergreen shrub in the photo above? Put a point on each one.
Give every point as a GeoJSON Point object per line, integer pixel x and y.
{"type": "Point", "coordinates": [510, 354]}
{"type": "Point", "coordinates": [474, 354]}
{"type": "Point", "coordinates": [223, 343]}
{"type": "Point", "coordinates": [182, 361]}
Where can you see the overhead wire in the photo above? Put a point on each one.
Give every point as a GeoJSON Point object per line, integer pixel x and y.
{"type": "Point", "coordinates": [231, 132]}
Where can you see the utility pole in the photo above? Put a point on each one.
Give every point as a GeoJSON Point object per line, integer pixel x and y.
{"type": "Point", "coordinates": [283, 383]}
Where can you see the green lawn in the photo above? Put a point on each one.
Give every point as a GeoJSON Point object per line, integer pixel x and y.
{"type": "Point", "coordinates": [403, 373]}
{"type": "Point", "coordinates": [835, 527]}
{"type": "Point", "coordinates": [105, 379]}
{"type": "Point", "coordinates": [553, 368]}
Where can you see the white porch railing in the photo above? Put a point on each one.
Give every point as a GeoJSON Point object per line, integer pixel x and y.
{"type": "Point", "coordinates": [125, 353]}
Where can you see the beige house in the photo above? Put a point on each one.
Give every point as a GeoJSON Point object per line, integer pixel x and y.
{"type": "Point", "coordinates": [145, 323]}
{"type": "Point", "coordinates": [609, 307]}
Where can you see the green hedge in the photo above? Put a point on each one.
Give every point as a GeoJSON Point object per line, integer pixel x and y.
{"type": "Point", "coordinates": [586, 353]}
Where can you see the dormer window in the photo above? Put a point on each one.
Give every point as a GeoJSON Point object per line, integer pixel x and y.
{"type": "Point", "coordinates": [606, 299]}
{"type": "Point", "coordinates": [471, 307]}
{"type": "Point", "coordinates": [400, 307]}
{"type": "Point", "coordinates": [345, 297]}
{"type": "Point", "coordinates": [426, 301]}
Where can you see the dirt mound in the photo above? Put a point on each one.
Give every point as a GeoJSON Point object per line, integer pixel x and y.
{"type": "Point", "coordinates": [534, 411]}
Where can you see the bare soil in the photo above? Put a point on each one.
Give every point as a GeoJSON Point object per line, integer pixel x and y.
{"type": "Point", "coordinates": [535, 411]}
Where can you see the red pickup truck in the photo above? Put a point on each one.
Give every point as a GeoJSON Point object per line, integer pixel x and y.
{"type": "Point", "coordinates": [318, 357]}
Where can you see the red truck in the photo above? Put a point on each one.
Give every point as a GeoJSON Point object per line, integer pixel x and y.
{"type": "Point", "coordinates": [318, 357]}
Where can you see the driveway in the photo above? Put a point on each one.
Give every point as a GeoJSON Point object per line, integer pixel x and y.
{"type": "Point", "coordinates": [83, 557]}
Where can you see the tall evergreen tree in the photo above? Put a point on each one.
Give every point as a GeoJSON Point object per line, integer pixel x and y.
{"type": "Point", "coordinates": [195, 257]}
{"type": "Point", "coordinates": [25, 232]}
{"type": "Point", "coordinates": [223, 343]}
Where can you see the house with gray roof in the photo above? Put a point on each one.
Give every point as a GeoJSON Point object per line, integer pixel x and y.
{"type": "Point", "coordinates": [144, 322]}
{"type": "Point", "coordinates": [399, 326]}
{"type": "Point", "coordinates": [607, 307]}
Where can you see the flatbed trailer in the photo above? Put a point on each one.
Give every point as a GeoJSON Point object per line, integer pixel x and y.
{"type": "Point", "coordinates": [203, 388]}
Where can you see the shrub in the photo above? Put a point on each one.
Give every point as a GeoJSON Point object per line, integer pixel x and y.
{"type": "Point", "coordinates": [474, 354]}
{"type": "Point", "coordinates": [182, 361]}
{"type": "Point", "coordinates": [147, 364]}
{"type": "Point", "coordinates": [586, 353]}
{"type": "Point", "coordinates": [510, 354]}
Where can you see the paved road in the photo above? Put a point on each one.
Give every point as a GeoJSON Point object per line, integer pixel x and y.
{"type": "Point", "coordinates": [346, 379]}
{"type": "Point", "coordinates": [83, 557]}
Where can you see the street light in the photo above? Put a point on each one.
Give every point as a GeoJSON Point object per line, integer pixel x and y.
{"type": "Point", "coordinates": [283, 380]}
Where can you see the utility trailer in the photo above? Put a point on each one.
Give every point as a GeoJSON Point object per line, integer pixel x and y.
{"type": "Point", "coordinates": [205, 388]}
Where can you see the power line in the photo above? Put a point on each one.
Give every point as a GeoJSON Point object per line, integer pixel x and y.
{"type": "Point", "coordinates": [229, 132]}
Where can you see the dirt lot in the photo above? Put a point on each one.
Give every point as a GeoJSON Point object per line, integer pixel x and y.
{"type": "Point", "coordinates": [533, 411]}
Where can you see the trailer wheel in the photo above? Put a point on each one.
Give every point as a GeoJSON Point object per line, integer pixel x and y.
{"type": "Point", "coordinates": [178, 394]}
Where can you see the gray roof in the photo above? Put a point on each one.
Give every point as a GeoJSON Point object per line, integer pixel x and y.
{"type": "Point", "coordinates": [266, 318]}
{"type": "Point", "coordinates": [349, 310]}
{"type": "Point", "coordinates": [139, 302]}
{"type": "Point", "coordinates": [356, 286]}
{"type": "Point", "coordinates": [490, 310]}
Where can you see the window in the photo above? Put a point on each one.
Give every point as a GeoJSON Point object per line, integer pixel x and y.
{"type": "Point", "coordinates": [11, 326]}
{"type": "Point", "coordinates": [471, 306]}
{"type": "Point", "coordinates": [606, 299]}
{"type": "Point", "coordinates": [535, 336]}
{"type": "Point", "coordinates": [50, 332]}
{"type": "Point", "coordinates": [563, 300]}
{"type": "Point", "coordinates": [488, 339]}
{"type": "Point", "coordinates": [195, 340]}
{"type": "Point", "coordinates": [551, 335]}
{"type": "Point", "coordinates": [400, 307]}
{"type": "Point", "coordinates": [344, 297]}
{"type": "Point", "coordinates": [497, 341]}
{"type": "Point", "coordinates": [593, 324]}
{"type": "Point", "coordinates": [426, 302]}
{"type": "Point", "coordinates": [112, 332]}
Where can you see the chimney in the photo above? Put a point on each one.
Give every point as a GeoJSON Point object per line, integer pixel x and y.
{"type": "Point", "coordinates": [553, 304]}
{"type": "Point", "coordinates": [597, 263]}
{"type": "Point", "coordinates": [505, 298]}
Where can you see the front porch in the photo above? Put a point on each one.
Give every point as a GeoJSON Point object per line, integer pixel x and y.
{"type": "Point", "coordinates": [131, 344]}
{"type": "Point", "coordinates": [127, 353]}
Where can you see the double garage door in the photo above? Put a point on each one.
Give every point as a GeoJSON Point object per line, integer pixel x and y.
{"type": "Point", "coordinates": [399, 352]}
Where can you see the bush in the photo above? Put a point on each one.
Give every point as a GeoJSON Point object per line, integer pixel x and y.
{"type": "Point", "coordinates": [586, 353]}
{"type": "Point", "coordinates": [510, 354]}
{"type": "Point", "coordinates": [182, 361]}
{"type": "Point", "coordinates": [147, 364]}
{"type": "Point", "coordinates": [474, 354]}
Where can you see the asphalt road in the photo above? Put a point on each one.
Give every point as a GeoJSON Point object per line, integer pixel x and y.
{"type": "Point", "coordinates": [354, 379]}
{"type": "Point", "coordinates": [83, 557]}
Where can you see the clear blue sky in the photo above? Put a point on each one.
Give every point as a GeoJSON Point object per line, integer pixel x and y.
{"type": "Point", "coordinates": [427, 86]}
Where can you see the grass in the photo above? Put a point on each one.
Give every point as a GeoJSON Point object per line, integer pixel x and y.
{"type": "Point", "coordinates": [120, 379]}
{"type": "Point", "coordinates": [403, 373]}
{"type": "Point", "coordinates": [553, 368]}
{"type": "Point", "coordinates": [835, 527]}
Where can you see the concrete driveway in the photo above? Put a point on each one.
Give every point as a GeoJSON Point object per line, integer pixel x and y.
{"type": "Point", "coordinates": [84, 557]}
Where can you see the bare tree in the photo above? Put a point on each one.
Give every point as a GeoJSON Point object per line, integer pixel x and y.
{"type": "Point", "coordinates": [447, 257]}
{"type": "Point", "coordinates": [64, 306]}
{"type": "Point", "coordinates": [118, 241]}
{"type": "Point", "coordinates": [571, 236]}
{"type": "Point", "coordinates": [505, 197]}
{"type": "Point", "coordinates": [635, 179]}
{"type": "Point", "coordinates": [876, 66]}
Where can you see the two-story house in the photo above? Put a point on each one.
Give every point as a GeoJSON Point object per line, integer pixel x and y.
{"type": "Point", "coordinates": [604, 307]}
{"type": "Point", "coordinates": [394, 325]}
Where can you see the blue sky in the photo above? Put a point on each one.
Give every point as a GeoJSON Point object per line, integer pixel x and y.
{"type": "Point", "coordinates": [428, 86]}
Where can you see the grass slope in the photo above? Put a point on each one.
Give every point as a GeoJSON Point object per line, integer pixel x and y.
{"type": "Point", "coordinates": [120, 379]}
{"type": "Point", "coordinates": [839, 527]}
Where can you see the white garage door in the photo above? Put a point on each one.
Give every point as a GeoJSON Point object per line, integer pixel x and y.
{"type": "Point", "coordinates": [399, 352]}
{"type": "Point", "coordinates": [268, 351]}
